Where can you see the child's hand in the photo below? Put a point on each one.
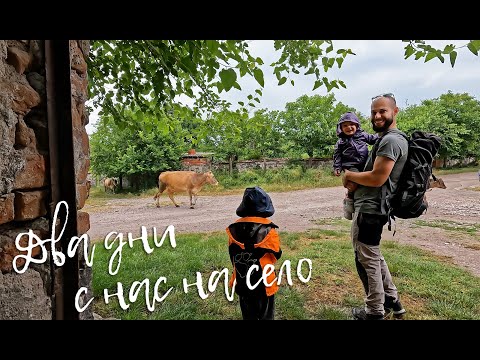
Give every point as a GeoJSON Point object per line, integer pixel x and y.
{"type": "Point", "coordinates": [337, 172]}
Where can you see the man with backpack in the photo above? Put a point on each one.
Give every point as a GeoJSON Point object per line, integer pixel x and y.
{"type": "Point", "coordinates": [384, 167]}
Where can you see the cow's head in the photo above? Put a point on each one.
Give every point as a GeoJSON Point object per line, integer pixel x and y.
{"type": "Point", "coordinates": [211, 178]}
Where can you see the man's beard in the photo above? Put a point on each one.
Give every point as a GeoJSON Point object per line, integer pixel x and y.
{"type": "Point", "coordinates": [383, 128]}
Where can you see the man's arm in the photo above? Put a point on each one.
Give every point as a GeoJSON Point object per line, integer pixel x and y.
{"type": "Point", "coordinates": [382, 167]}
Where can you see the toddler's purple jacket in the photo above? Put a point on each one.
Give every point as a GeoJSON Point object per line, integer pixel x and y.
{"type": "Point", "coordinates": [352, 151]}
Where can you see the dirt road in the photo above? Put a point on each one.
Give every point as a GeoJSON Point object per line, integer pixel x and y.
{"type": "Point", "coordinates": [458, 205]}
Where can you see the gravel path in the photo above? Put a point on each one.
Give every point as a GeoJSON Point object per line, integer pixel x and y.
{"type": "Point", "coordinates": [296, 211]}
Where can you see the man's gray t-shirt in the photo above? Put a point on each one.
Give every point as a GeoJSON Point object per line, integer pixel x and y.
{"type": "Point", "coordinates": [393, 146]}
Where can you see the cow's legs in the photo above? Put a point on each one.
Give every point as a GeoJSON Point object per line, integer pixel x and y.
{"type": "Point", "coordinates": [170, 195]}
{"type": "Point", "coordinates": [191, 202]}
{"type": "Point", "coordinates": [161, 189]}
{"type": "Point", "coordinates": [194, 202]}
{"type": "Point", "coordinates": [193, 199]}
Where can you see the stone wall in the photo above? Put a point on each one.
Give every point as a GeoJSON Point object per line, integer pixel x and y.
{"type": "Point", "coordinates": [469, 161]}
{"type": "Point", "coordinates": [267, 164]}
{"type": "Point", "coordinates": [25, 194]}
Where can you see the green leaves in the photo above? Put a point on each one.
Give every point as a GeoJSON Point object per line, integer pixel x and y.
{"type": "Point", "coordinates": [474, 46]}
{"type": "Point", "coordinates": [136, 72]}
{"type": "Point", "coordinates": [282, 81]}
{"type": "Point", "coordinates": [212, 46]}
{"type": "Point", "coordinates": [430, 56]}
{"type": "Point", "coordinates": [309, 124]}
{"type": "Point", "coordinates": [228, 78]}
{"type": "Point", "coordinates": [409, 51]}
{"type": "Point", "coordinates": [453, 57]}
{"type": "Point", "coordinates": [317, 84]}
{"type": "Point", "coordinates": [451, 116]}
{"type": "Point", "coordinates": [258, 75]}
{"type": "Point", "coordinates": [423, 50]}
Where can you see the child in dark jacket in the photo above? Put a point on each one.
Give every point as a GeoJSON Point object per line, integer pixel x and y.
{"type": "Point", "coordinates": [253, 241]}
{"type": "Point", "coordinates": [351, 152]}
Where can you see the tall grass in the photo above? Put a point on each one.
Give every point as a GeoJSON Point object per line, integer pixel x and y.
{"type": "Point", "coordinates": [283, 179]}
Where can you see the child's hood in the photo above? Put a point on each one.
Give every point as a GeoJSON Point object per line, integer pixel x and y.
{"type": "Point", "coordinates": [255, 202]}
{"type": "Point", "coordinates": [349, 116]}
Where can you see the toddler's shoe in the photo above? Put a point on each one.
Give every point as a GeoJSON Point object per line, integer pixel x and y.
{"type": "Point", "coordinates": [348, 208]}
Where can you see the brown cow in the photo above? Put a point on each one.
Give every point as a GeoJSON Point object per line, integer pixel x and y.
{"type": "Point", "coordinates": [436, 184]}
{"type": "Point", "coordinates": [189, 181]}
{"type": "Point", "coordinates": [88, 185]}
{"type": "Point", "coordinates": [110, 183]}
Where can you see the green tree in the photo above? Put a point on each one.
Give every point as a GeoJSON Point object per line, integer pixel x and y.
{"type": "Point", "coordinates": [136, 152]}
{"type": "Point", "coordinates": [233, 135]}
{"type": "Point", "coordinates": [454, 117]}
{"type": "Point", "coordinates": [265, 134]}
{"type": "Point", "coordinates": [310, 124]}
{"type": "Point", "coordinates": [463, 110]}
{"type": "Point", "coordinates": [430, 117]}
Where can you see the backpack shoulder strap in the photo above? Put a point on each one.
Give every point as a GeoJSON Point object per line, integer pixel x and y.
{"type": "Point", "coordinates": [383, 201]}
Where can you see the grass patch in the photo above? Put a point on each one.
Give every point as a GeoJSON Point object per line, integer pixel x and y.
{"type": "Point", "coordinates": [455, 170]}
{"type": "Point", "coordinates": [450, 226]}
{"type": "Point", "coordinates": [430, 286]}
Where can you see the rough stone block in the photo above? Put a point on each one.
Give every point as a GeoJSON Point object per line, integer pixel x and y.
{"type": "Point", "coordinates": [25, 136]}
{"type": "Point", "coordinates": [30, 205]}
{"type": "Point", "coordinates": [23, 297]}
{"type": "Point", "coordinates": [7, 209]}
{"type": "Point", "coordinates": [79, 87]}
{"type": "Point", "coordinates": [81, 195]}
{"type": "Point", "coordinates": [33, 174]}
{"type": "Point", "coordinates": [8, 250]}
{"type": "Point", "coordinates": [19, 59]}
{"type": "Point", "coordinates": [83, 222]}
{"type": "Point", "coordinates": [24, 96]}
{"type": "Point", "coordinates": [77, 60]}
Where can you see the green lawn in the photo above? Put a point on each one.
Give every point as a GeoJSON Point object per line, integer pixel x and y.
{"type": "Point", "coordinates": [430, 286]}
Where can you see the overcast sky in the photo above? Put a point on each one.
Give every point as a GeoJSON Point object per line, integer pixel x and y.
{"type": "Point", "coordinates": [378, 67]}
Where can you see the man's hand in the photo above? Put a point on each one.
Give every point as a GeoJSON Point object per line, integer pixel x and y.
{"type": "Point", "coordinates": [351, 186]}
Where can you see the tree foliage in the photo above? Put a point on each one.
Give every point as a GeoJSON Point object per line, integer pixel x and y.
{"type": "Point", "coordinates": [310, 124]}
{"type": "Point", "coordinates": [454, 117]}
{"type": "Point", "coordinates": [139, 154]}
{"type": "Point", "coordinates": [149, 75]}
{"type": "Point", "coordinates": [139, 83]}
{"type": "Point", "coordinates": [234, 134]}
{"type": "Point", "coordinates": [422, 50]}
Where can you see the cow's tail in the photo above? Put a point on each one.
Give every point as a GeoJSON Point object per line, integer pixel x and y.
{"type": "Point", "coordinates": [161, 187]}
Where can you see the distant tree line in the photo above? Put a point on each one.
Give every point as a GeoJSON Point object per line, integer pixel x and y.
{"type": "Point", "coordinates": [140, 148]}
